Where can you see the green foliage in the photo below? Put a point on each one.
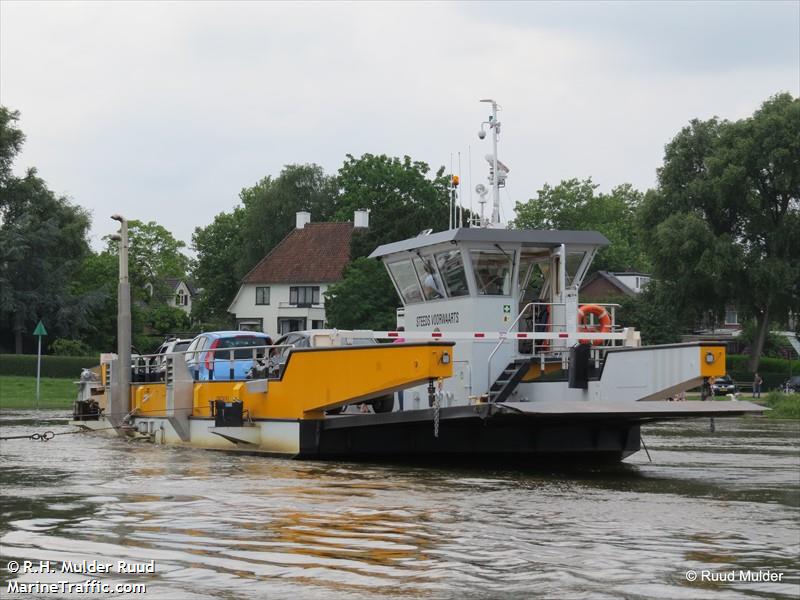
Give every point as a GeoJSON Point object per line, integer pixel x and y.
{"type": "Point", "coordinates": [270, 207]}
{"type": "Point", "coordinates": [20, 392]}
{"type": "Point", "coordinates": [784, 406]}
{"type": "Point", "coordinates": [401, 197]}
{"type": "Point", "coordinates": [65, 347]}
{"type": "Point", "coordinates": [218, 269]}
{"type": "Point", "coordinates": [11, 140]}
{"type": "Point", "coordinates": [575, 204]}
{"type": "Point", "coordinates": [145, 343]}
{"type": "Point", "coordinates": [782, 366]}
{"type": "Point", "coordinates": [364, 299]}
{"type": "Point", "coordinates": [163, 319]}
{"type": "Point", "coordinates": [97, 277]}
{"type": "Point", "coordinates": [724, 224]}
{"type": "Point", "coordinates": [24, 365]}
{"type": "Point", "coordinates": [42, 243]}
{"type": "Point", "coordinates": [651, 313]}
{"type": "Point", "coordinates": [153, 255]}
{"type": "Point", "coordinates": [773, 343]}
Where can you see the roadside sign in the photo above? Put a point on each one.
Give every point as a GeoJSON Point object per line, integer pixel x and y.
{"type": "Point", "coordinates": [39, 332]}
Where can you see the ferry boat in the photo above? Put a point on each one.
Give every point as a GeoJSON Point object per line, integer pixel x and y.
{"type": "Point", "coordinates": [476, 367]}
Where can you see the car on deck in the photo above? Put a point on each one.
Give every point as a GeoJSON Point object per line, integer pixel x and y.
{"type": "Point", "coordinates": [225, 355]}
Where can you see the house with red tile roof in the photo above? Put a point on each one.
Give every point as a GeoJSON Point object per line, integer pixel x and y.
{"type": "Point", "coordinates": [285, 291]}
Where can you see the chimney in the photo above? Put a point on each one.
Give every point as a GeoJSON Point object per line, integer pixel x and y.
{"type": "Point", "coordinates": [361, 218]}
{"type": "Point", "coordinates": [302, 219]}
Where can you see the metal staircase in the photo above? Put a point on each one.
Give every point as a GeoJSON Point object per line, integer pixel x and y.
{"type": "Point", "coordinates": [508, 380]}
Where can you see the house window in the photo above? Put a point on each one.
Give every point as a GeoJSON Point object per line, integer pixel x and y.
{"type": "Point", "coordinates": [262, 295]}
{"type": "Point", "coordinates": [289, 324]}
{"type": "Point", "coordinates": [304, 295]}
{"type": "Point", "coordinates": [181, 299]}
{"type": "Point", "coordinates": [731, 316]}
{"type": "Point", "coordinates": [315, 324]}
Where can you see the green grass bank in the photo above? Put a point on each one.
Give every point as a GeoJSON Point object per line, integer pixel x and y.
{"type": "Point", "coordinates": [20, 392]}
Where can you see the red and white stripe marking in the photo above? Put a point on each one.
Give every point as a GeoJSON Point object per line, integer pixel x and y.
{"type": "Point", "coordinates": [496, 335]}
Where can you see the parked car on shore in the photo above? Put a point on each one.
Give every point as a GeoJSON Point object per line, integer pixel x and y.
{"type": "Point", "coordinates": [225, 355]}
{"type": "Point", "coordinates": [792, 385]}
{"type": "Point", "coordinates": [723, 385]}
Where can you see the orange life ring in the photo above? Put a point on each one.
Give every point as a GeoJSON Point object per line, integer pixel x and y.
{"type": "Point", "coordinates": [602, 315]}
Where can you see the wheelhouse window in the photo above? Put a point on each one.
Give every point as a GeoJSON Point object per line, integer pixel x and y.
{"type": "Point", "coordinates": [262, 295]}
{"type": "Point", "coordinates": [574, 260]}
{"type": "Point", "coordinates": [432, 287]}
{"type": "Point", "coordinates": [405, 278]}
{"type": "Point", "coordinates": [493, 270]}
{"type": "Point", "coordinates": [533, 269]}
{"type": "Point", "coordinates": [451, 269]}
{"type": "Point", "coordinates": [304, 295]}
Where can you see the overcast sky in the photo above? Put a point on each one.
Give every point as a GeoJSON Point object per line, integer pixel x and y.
{"type": "Point", "coordinates": [165, 111]}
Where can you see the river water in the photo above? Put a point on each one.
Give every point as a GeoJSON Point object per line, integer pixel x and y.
{"type": "Point", "coordinates": [221, 525]}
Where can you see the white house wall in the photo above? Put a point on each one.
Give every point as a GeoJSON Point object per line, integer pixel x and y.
{"type": "Point", "coordinates": [244, 305]}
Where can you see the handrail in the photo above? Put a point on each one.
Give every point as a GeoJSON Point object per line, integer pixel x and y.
{"type": "Point", "coordinates": [502, 340]}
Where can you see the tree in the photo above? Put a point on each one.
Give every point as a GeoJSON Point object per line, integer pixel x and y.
{"type": "Point", "coordinates": [403, 200]}
{"type": "Point", "coordinates": [270, 207]}
{"type": "Point", "coordinates": [401, 197]}
{"type": "Point", "coordinates": [364, 299]}
{"type": "Point", "coordinates": [42, 242]}
{"type": "Point", "coordinates": [574, 204]}
{"type": "Point", "coordinates": [98, 276]}
{"type": "Point", "coordinates": [153, 255]}
{"type": "Point", "coordinates": [724, 224]}
{"type": "Point", "coordinates": [218, 270]}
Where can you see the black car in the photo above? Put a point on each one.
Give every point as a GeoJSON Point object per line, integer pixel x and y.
{"type": "Point", "coordinates": [723, 385]}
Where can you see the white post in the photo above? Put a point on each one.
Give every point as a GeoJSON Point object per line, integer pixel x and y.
{"type": "Point", "coordinates": [38, 370]}
{"type": "Point", "coordinates": [496, 179]}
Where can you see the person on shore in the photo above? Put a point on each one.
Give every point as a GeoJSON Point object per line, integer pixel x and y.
{"type": "Point", "coordinates": [757, 381]}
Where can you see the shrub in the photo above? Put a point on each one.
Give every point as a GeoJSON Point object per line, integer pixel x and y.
{"type": "Point", "coordinates": [24, 365]}
{"type": "Point", "coordinates": [65, 347]}
{"type": "Point", "coordinates": [784, 406]}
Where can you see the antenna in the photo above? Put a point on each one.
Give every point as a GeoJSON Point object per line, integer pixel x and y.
{"type": "Point", "coordinates": [450, 200]}
{"type": "Point", "coordinates": [471, 210]}
{"type": "Point", "coordinates": [497, 170]}
{"type": "Point", "coordinates": [460, 203]}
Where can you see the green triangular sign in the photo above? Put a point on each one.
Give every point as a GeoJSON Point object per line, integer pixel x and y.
{"type": "Point", "coordinates": [40, 330]}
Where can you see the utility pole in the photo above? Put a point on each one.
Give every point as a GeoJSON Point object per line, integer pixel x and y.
{"type": "Point", "coordinates": [120, 393]}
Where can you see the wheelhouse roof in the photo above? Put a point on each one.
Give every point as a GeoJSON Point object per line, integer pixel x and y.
{"type": "Point", "coordinates": [527, 237]}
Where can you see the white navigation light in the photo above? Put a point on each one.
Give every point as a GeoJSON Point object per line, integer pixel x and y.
{"type": "Point", "coordinates": [710, 358]}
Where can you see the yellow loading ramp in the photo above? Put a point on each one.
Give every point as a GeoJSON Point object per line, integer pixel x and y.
{"type": "Point", "coordinates": [314, 380]}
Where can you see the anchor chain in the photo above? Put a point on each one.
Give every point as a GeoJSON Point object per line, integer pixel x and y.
{"type": "Point", "coordinates": [436, 403]}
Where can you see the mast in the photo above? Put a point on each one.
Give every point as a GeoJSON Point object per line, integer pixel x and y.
{"type": "Point", "coordinates": [497, 176]}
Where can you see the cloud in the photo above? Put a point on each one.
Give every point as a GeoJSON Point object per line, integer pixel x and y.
{"type": "Point", "coordinates": [164, 111]}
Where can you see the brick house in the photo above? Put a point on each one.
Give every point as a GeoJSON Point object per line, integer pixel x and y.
{"type": "Point", "coordinates": [285, 291]}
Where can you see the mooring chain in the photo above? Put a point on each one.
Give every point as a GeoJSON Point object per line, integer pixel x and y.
{"type": "Point", "coordinates": [46, 436]}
